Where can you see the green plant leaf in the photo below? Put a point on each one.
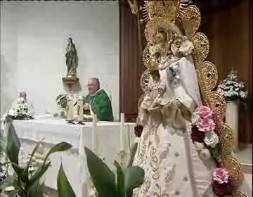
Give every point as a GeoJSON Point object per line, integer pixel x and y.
{"type": "Point", "coordinates": [120, 181]}
{"type": "Point", "coordinates": [102, 177]}
{"type": "Point", "coordinates": [24, 175]}
{"type": "Point", "coordinates": [134, 177]}
{"type": "Point", "coordinates": [13, 144]}
{"type": "Point", "coordinates": [37, 175]}
{"type": "Point", "coordinates": [36, 190]}
{"type": "Point", "coordinates": [63, 185]}
{"type": "Point", "coordinates": [132, 154]}
{"type": "Point", "coordinates": [62, 146]}
{"type": "Point", "coordinates": [12, 148]}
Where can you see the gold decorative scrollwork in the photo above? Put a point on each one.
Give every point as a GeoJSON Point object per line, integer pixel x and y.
{"type": "Point", "coordinates": [234, 167]}
{"type": "Point", "coordinates": [210, 76]}
{"type": "Point", "coordinates": [226, 138]}
{"type": "Point", "coordinates": [217, 104]}
{"type": "Point", "coordinates": [145, 80]}
{"type": "Point", "coordinates": [163, 9]}
{"type": "Point", "coordinates": [191, 19]}
{"type": "Point", "coordinates": [201, 47]}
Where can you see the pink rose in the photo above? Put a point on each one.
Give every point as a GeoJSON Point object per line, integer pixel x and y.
{"type": "Point", "coordinates": [204, 112]}
{"type": "Point", "coordinates": [205, 125]}
{"type": "Point", "coordinates": [221, 175]}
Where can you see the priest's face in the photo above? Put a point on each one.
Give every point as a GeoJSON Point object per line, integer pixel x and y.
{"type": "Point", "coordinates": [92, 86]}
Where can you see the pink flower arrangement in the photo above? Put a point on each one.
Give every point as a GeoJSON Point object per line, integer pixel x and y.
{"type": "Point", "coordinates": [204, 120]}
{"type": "Point", "coordinates": [204, 112]}
{"type": "Point", "coordinates": [222, 184]}
{"type": "Point", "coordinates": [206, 124]}
{"type": "Point", "coordinates": [221, 175]}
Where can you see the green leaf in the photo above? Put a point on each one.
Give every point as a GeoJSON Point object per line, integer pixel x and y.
{"type": "Point", "coordinates": [37, 175]}
{"type": "Point", "coordinates": [12, 148]}
{"type": "Point", "coordinates": [36, 190]}
{"type": "Point", "coordinates": [103, 178]}
{"type": "Point", "coordinates": [134, 177]}
{"type": "Point", "coordinates": [63, 185]}
{"type": "Point", "coordinates": [120, 181]}
{"type": "Point", "coordinates": [132, 154]}
{"type": "Point", "coordinates": [24, 175]}
{"type": "Point", "coordinates": [13, 144]}
{"type": "Point", "coordinates": [62, 146]}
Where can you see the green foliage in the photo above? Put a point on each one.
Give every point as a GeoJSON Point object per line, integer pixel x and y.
{"type": "Point", "coordinates": [63, 185]}
{"type": "Point", "coordinates": [62, 100]}
{"type": "Point", "coordinates": [104, 179]}
{"type": "Point", "coordinates": [25, 184]}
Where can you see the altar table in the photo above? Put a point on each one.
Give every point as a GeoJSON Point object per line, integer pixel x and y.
{"type": "Point", "coordinates": [53, 131]}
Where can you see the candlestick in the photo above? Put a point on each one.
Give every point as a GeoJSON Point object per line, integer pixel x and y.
{"type": "Point", "coordinates": [122, 123]}
{"type": "Point", "coordinates": [70, 110]}
{"type": "Point", "coordinates": [94, 135]}
{"type": "Point", "coordinates": [80, 116]}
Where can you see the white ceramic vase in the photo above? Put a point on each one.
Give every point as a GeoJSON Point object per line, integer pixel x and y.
{"type": "Point", "coordinates": [232, 120]}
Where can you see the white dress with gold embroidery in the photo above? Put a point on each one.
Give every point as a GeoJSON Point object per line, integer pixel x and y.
{"type": "Point", "coordinates": [167, 155]}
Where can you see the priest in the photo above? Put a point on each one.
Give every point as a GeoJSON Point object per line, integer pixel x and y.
{"type": "Point", "coordinates": [97, 101]}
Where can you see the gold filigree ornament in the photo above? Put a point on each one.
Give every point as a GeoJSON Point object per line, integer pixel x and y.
{"type": "Point", "coordinates": [145, 80]}
{"type": "Point", "coordinates": [191, 19]}
{"type": "Point", "coordinates": [232, 165]}
{"type": "Point", "coordinates": [161, 14]}
{"type": "Point", "coordinates": [167, 9]}
{"type": "Point", "coordinates": [201, 47]}
{"type": "Point", "coordinates": [154, 25]}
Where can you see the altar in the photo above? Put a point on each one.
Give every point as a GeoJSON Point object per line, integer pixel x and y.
{"type": "Point", "coordinates": [52, 131]}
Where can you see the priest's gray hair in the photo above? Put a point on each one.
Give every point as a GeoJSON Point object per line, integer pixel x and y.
{"type": "Point", "coordinates": [96, 80]}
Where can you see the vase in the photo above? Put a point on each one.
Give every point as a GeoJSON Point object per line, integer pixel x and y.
{"type": "Point", "coordinates": [232, 120]}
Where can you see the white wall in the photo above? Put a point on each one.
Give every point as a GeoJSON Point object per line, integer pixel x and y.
{"type": "Point", "coordinates": [33, 41]}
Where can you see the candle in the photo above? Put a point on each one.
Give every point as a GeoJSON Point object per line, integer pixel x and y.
{"type": "Point", "coordinates": [94, 135]}
{"type": "Point", "coordinates": [70, 110]}
{"type": "Point", "coordinates": [122, 123]}
{"type": "Point", "coordinates": [80, 110]}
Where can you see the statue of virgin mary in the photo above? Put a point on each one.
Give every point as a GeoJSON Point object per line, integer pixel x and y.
{"type": "Point", "coordinates": [165, 151]}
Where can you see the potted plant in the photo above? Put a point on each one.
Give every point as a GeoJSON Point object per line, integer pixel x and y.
{"type": "Point", "coordinates": [235, 93]}
{"type": "Point", "coordinates": [25, 180]}
{"type": "Point", "coordinates": [106, 182]}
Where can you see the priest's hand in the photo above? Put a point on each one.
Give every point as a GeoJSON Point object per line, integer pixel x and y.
{"type": "Point", "coordinates": [86, 106]}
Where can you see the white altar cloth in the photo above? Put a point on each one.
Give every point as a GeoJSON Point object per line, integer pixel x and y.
{"type": "Point", "coordinates": [53, 131]}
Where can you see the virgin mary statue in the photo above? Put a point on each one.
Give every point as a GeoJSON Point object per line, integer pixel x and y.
{"type": "Point", "coordinates": [171, 161]}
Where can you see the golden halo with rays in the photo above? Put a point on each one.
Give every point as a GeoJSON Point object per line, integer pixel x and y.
{"type": "Point", "coordinates": [154, 25]}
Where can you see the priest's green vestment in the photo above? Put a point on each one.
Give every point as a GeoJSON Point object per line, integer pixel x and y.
{"type": "Point", "coordinates": [100, 105]}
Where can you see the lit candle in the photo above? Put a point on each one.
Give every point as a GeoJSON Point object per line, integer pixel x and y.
{"type": "Point", "coordinates": [122, 123]}
{"type": "Point", "coordinates": [70, 110]}
{"type": "Point", "coordinates": [80, 110]}
{"type": "Point", "coordinates": [94, 135]}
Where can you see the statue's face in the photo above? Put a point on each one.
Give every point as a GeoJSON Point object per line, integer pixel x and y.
{"type": "Point", "coordinates": [92, 86]}
{"type": "Point", "coordinates": [160, 37]}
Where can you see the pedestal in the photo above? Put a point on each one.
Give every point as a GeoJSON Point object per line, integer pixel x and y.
{"type": "Point", "coordinates": [232, 120]}
{"type": "Point", "coordinates": [70, 81]}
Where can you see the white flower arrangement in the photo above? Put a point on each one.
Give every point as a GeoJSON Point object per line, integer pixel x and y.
{"type": "Point", "coordinates": [18, 111]}
{"type": "Point", "coordinates": [232, 88]}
